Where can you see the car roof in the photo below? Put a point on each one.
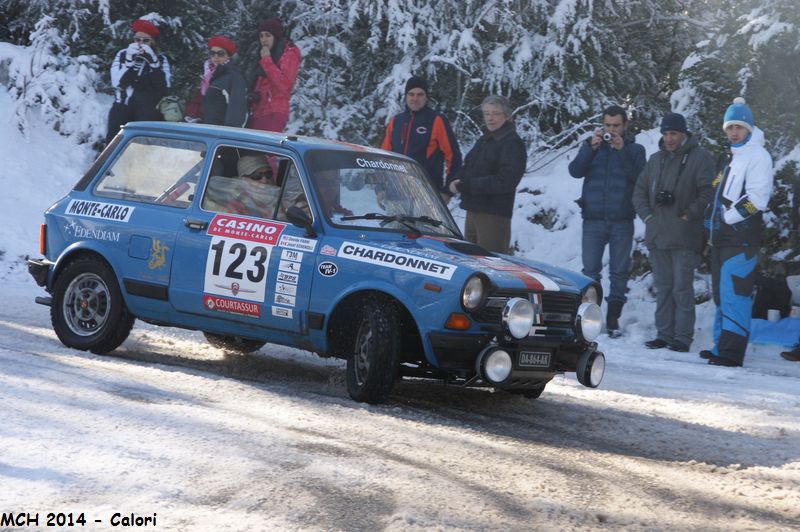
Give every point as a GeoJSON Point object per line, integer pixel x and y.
{"type": "Point", "coordinates": [299, 143]}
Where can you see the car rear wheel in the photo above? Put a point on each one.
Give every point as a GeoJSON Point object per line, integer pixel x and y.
{"type": "Point", "coordinates": [233, 344]}
{"type": "Point", "coordinates": [88, 312]}
{"type": "Point", "coordinates": [373, 363]}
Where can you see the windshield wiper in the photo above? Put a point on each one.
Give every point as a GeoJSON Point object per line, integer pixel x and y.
{"type": "Point", "coordinates": [405, 220]}
{"type": "Point", "coordinates": [385, 220]}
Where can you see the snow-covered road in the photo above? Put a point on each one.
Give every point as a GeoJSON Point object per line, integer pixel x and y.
{"type": "Point", "coordinates": [172, 428]}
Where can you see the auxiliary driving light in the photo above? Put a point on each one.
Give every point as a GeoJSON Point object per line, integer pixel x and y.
{"type": "Point", "coordinates": [494, 364]}
{"type": "Point", "coordinates": [518, 316]}
{"type": "Point", "coordinates": [590, 368]}
{"type": "Point", "coordinates": [589, 321]}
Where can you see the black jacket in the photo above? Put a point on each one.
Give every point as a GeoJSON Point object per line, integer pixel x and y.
{"type": "Point", "coordinates": [686, 176]}
{"type": "Point", "coordinates": [492, 170]}
{"type": "Point", "coordinates": [225, 102]}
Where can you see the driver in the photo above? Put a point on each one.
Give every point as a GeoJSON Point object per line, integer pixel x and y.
{"type": "Point", "coordinates": [329, 188]}
{"type": "Point", "coordinates": [253, 193]}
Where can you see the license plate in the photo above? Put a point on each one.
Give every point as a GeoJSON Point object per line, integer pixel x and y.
{"type": "Point", "coordinates": [533, 359]}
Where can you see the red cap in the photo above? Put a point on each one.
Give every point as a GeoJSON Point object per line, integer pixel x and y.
{"type": "Point", "coordinates": [222, 42]}
{"type": "Point", "coordinates": [145, 26]}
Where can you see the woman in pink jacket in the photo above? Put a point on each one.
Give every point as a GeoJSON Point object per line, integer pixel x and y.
{"type": "Point", "coordinates": [277, 71]}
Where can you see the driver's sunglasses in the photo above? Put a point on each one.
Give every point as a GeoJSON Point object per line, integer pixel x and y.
{"type": "Point", "coordinates": [263, 174]}
{"type": "Point", "coordinates": [217, 53]}
{"type": "Point", "coordinates": [141, 40]}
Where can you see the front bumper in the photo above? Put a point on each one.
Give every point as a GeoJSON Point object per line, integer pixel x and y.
{"type": "Point", "coordinates": [39, 270]}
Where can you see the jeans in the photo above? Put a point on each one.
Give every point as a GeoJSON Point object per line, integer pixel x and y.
{"type": "Point", "coordinates": [619, 237]}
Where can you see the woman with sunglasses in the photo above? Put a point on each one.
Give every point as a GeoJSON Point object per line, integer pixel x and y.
{"type": "Point", "coordinates": [140, 76]}
{"type": "Point", "coordinates": [277, 69]}
{"type": "Point", "coordinates": [223, 90]}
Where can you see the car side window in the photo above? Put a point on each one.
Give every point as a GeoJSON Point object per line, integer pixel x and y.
{"type": "Point", "coordinates": [246, 182]}
{"type": "Point", "coordinates": [154, 170]}
{"type": "Point", "coordinates": [293, 195]}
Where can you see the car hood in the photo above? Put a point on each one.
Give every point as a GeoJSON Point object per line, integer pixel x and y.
{"type": "Point", "coordinates": [505, 271]}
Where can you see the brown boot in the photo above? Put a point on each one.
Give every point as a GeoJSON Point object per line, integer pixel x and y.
{"type": "Point", "coordinates": [793, 355]}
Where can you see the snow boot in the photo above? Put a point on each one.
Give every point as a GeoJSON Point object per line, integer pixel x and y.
{"type": "Point", "coordinates": [793, 355]}
{"type": "Point", "coordinates": [612, 318]}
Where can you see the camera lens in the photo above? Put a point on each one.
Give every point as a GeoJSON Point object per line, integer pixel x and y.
{"type": "Point", "coordinates": [607, 137]}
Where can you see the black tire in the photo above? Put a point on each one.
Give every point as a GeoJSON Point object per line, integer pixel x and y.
{"type": "Point", "coordinates": [234, 344]}
{"type": "Point", "coordinates": [373, 362]}
{"type": "Point", "coordinates": [88, 312]}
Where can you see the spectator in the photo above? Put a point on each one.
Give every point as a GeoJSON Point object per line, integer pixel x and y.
{"type": "Point", "coordinates": [489, 178]}
{"type": "Point", "coordinates": [671, 196]}
{"type": "Point", "coordinates": [734, 220]}
{"type": "Point", "coordinates": [277, 70]}
{"type": "Point", "coordinates": [221, 99]}
{"type": "Point", "coordinates": [424, 135]}
{"type": "Point", "coordinates": [140, 76]}
{"type": "Point", "coordinates": [610, 161]}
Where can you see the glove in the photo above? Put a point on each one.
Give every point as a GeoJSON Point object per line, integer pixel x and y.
{"type": "Point", "coordinates": [253, 97]}
{"type": "Point", "coordinates": [131, 53]}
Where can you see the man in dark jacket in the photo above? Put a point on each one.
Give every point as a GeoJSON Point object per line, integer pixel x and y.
{"type": "Point", "coordinates": [424, 135]}
{"type": "Point", "coordinates": [610, 161]}
{"type": "Point", "coordinates": [671, 196]}
{"type": "Point", "coordinates": [488, 181]}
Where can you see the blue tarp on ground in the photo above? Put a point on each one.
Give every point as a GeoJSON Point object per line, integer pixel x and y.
{"type": "Point", "coordinates": [785, 333]}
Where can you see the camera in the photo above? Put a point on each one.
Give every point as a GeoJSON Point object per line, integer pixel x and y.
{"type": "Point", "coordinates": [607, 136]}
{"type": "Point", "coordinates": [665, 198]}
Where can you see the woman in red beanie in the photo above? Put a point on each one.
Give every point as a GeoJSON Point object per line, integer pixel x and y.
{"type": "Point", "coordinates": [223, 90]}
{"type": "Point", "coordinates": [140, 76]}
{"type": "Point", "coordinates": [277, 71]}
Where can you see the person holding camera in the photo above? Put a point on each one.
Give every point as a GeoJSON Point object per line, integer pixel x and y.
{"type": "Point", "coordinates": [610, 161]}
{"type": "Point", "coordinates": [140, 77]}
{"type": "Point", "coordinates": [279, 61]}
{"type": "Point", "coordinates": [671, 196]}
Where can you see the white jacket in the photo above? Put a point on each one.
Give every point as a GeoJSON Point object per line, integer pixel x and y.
{"type": "Point", "coordinates": [749, 183]}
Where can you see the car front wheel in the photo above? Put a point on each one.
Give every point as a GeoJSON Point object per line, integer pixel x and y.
{"type": "Point", "coordinates": [88, 312]}
{"type": "Point", "coordinates": [372, 364]}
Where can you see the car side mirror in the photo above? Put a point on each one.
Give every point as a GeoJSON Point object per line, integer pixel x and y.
{"type": "Point", "coordinates": [298, 217]}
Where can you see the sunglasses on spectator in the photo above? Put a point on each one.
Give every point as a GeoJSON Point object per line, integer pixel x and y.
{"type": "Point", "coordinates": [142, 40]}
{"type": "Point", "coordinates": [217, 53]}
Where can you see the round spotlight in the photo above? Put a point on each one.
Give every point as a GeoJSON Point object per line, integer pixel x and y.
{"type": "Point", "coordinates": [590, 368]}
{"type": "Point", "coordinates": [494, 364]}
{"type": "Point", "coordinates": [591, 295]}
{"type": "Point", "coordinates": [474, 293]}
{"type": "Point", "coordinates": [518, 317]}
{"type": "Point", "coordinates": [589, 321]}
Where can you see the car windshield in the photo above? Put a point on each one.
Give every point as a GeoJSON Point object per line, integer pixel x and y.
{"type": "Point", "coordinates": [369, 190]}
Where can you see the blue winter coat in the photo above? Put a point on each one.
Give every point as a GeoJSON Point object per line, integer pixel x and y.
{"type": "Point", "coordinates": [610, 179]}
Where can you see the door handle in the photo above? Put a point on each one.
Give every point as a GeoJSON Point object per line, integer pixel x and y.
{"type": "Point", "coordinates": [195, 224]}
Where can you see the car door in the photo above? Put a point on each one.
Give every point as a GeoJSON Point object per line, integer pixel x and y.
{"type": "Point", "coordinates": [234, 260]}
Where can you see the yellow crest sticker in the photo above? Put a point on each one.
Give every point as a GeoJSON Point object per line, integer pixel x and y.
{"type": "Point", "coordinates": [157, 255]}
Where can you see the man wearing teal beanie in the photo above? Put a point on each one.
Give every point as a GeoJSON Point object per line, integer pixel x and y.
{"type": "Point", "coordinates": [734, 221]}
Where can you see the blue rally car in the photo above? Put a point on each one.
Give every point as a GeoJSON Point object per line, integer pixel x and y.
{"type": "Point", "coordinates": [342, 250]}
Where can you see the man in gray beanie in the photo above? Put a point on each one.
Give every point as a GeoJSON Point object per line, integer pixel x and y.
{"type": "Point", "coordinates": [671, 196]}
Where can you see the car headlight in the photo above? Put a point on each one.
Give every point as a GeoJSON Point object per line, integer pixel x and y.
{"type": "Point", "coordinates": [589, 321]}
{"type": "Point", "coordinates": [591, 295]}
{"type": "Point", "coordinates": [494, 364]}
{"type": "Point", "coordinates": [474, 292]}
{"type": "Point", "coordinates": [518, 317]}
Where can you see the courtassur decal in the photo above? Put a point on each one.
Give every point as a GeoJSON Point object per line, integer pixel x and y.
{"type": "Point", "coordinates": [102, 211]}
{"type": "Point", "coordinates": [397, 261]}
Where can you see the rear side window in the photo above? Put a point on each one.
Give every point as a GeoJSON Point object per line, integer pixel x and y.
{"type": "Point", "coordinates": [154, 170]}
